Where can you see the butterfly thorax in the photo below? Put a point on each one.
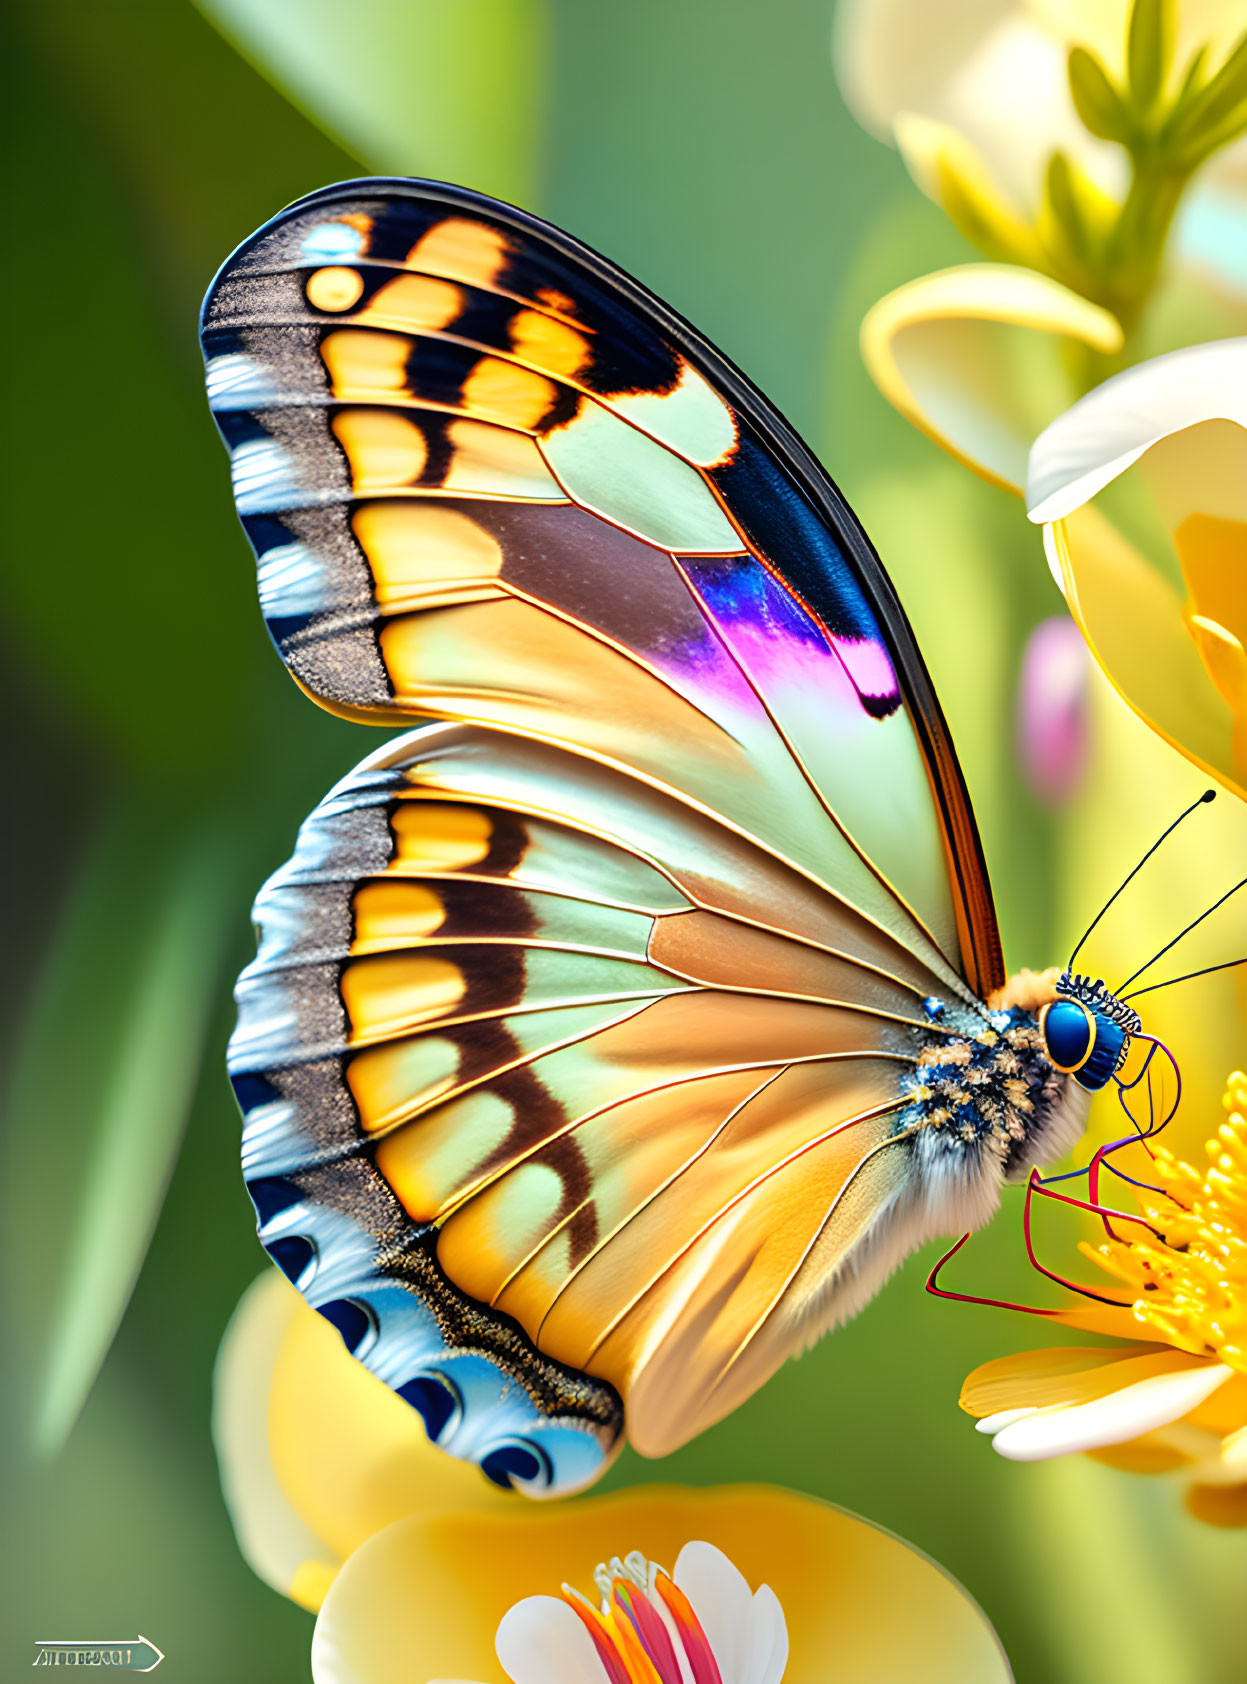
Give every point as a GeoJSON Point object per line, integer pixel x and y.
{"type": "Point", "coordinates": [988, 1090]}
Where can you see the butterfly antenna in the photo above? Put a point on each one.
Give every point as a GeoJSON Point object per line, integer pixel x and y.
{"type": "Point", "coordinates": [1208, 795]}
{"type": "Point", "coordinates": [1178, 938]}
{"type": "Point", "coordinates": [1207, 970]}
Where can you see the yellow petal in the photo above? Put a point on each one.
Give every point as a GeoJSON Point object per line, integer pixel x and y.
{"type": "Point", "coordinates": [1213, 551]}
{"type": "Point", "coordinates": [1218, 1505]}
{"type": "Point", "coordinates": [315, 1453]}
{"type": "Point", "coordinates": [949, 170]}
{"type": "Point", "coordinates": [1063, 1374]}
{"type": "Point", "coordinates": [310, 1584]}
{"type": "Point", "coordinates": [972, 356]}
{"type": "Point", "coordinates": [1224, 658]}
{"type": "Point", "coordinates": [1212, 548]}
{"type": "Point", "coordinates": [424, 1598]}
{"type": "Point", "coordinates": [1132, 619]}
{"type": "Point", "coordinates": [276, 1540]}
{"type": "Point", "coordinates": [1156, 1397]}
{"type": "Point", "coordinates": [1149, 1454]}
{"type": "Point", "coordinates": [1198, 476]}
{"type": "Point", "coordinates": [1118, 1323]}
{"type": "Point", "coordinates": [350, 1453]}
{"type": "Point", "coordinates": [1224, 1415]}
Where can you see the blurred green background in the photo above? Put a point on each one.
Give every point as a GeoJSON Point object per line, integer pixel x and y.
{"type": "Point", "coordinates": [158, 761]}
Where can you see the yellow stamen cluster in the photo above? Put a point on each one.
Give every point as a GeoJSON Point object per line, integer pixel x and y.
{"type": "Point", "coordinates": [1190, 1287]}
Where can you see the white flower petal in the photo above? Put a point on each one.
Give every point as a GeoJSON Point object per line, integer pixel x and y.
{"type": "Point", "coordinates": [541, 1641]}
{"type": "Point", "coordinates": [1114, 1419]}
{"type": "Point", "coordinates": [1052, 555]}
{"type": "Point", "coordinates": [898, 55]}
{"type": "Point", "coordinates": [1101, 435]}
{"type": "Point", "coordinates": [722, 1601]}
{"type": "Point", "coordinates": [1003, 1418]}
{"type": "Point", "coordinates": [994, 69]}
{"type": "Point", "coordinates": [768, 1639]}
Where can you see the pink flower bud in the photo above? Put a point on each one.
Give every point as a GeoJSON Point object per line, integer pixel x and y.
{"type": "Point", "coordinates": [1052, 730]}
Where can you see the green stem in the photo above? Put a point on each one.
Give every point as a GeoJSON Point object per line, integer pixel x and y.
{"type": "Point", "coordinates": [1135, 247]}
{"type": "Point", "coordinates": [1123, 273]}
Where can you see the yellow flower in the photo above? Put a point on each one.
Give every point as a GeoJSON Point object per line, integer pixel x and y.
{"type": "Point", "coordinates": [981, 97]}
{"type": "Point", "coordinates": [1180, 423]}
{"type": "Point", "coordinates": [424, 1572]}
{"type": "Point", "coordinates": [316, 1454]}
{"type": "Point", "coordinates": [429, 1599]}
{"type": "Point", "coordinates": [1176, 1397]}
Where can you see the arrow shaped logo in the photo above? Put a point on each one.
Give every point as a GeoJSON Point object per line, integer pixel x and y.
{"type": "Point", "coordinates": [131, 1654]}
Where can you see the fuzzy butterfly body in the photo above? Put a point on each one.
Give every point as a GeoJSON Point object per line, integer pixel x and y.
{"type": "Point", "coordinates": [615, 1034]}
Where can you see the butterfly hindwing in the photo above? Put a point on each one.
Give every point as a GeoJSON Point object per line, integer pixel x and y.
{"type": "Point", "coordinates": [572, 1052]}
{"type": "Point", "coordinates": [507, 1037]}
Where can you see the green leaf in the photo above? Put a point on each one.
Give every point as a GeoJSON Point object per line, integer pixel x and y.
{"type": "Point", "coordinates": [411, 87]}
{"type": "Point", "coordinates": [1191, 81]}
{"type": "Point", "coordinates": [1100, 107]}
{"type": "Point", "coordinates": [1147, 52]}
{"type": "Point", "coordinates": [1066, 211]}
{"type": "Point", "coordinates": [1215, 106]}
{"type": "Point", "coordinates": [99, 1093]}
{"type": "Point", "coordinates": [1229, 131]}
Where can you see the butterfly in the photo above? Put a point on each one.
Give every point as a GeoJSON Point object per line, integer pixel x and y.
{"type": "Point", "coordinates": [615, 1032]}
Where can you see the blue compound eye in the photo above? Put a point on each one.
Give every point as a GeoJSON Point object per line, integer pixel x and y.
{"type": "Point", "coordinates": [1068, 1034]}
